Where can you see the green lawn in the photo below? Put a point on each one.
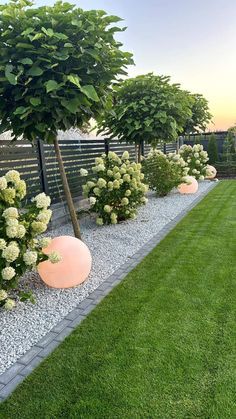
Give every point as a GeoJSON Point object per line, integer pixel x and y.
{"type": "Point", "coordinates": [162, 344]}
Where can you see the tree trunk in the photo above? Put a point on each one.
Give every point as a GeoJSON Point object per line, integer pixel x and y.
{"type": "Point", "coordinates": [73, 216]}
{"type": "Point", "coordinates": [136, 152]}
{"type": "Point", "coordinates": [139, 152]}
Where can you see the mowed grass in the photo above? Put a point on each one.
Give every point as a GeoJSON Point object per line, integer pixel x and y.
{"type": "Point", "coordinates": [162, 344]}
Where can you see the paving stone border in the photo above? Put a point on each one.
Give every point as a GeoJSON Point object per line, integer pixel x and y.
{"type": "Point", "coordinates": [34, 356]}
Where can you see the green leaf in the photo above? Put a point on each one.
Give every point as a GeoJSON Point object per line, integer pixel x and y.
{"type": "Point", "coordinates": [71, 105]}
{"type": "Point", "coordinates": [68, 45]}
{"type": "Point", "coordinates": [90, 92]}
{"type": "Point", "coordinates": [27, 31]}
{"type": "Point", "coordinates": [20, 110]}
{"type": "Point", "coordinates": [35, 71]}
{"type": "Point", "coordinates": [24, 45]}
{"type": "Point", "coordinates": [76, 22]}
{"type": "Point", "coordinates": [35, 101]}
{"type": "Point", "coordinates": [26, 61]}
{"type": "Point", "coordinates": [74, 79]}
{"type": "Point", "coordinates": [12, 78]}
{"type": "Point", "coordinates": [51, 85]}
{"type": "Point", "coordinates": [49, 32]}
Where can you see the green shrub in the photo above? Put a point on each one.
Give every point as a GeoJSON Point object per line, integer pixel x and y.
{"type": "Point", "coordinates": [116, 189]}
{"type": "Point", "coordinates": [161, 173]}
{"type": "Point", "coordinates": [196, 159]}
{"type": "Point", "coordinates": [19, 248]}
{"type": "Point", "coordinates": [212, 149]}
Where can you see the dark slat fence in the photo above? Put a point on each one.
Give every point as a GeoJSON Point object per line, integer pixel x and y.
{"type": "Point", "coordinates": [38, 166]}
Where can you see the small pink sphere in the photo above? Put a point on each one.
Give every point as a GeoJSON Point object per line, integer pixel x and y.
{"type": "Point", "coordinates": [211, 172]}
{"type": "Point", "coordinates": [74, 267]}
{"type": "Point", "coordinates": [189, 188]}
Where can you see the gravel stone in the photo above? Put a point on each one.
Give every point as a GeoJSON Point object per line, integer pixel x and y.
{"type": "Point", "coordinates": [110, 246]}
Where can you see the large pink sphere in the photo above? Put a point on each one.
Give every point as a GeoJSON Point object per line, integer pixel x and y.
{"type": "Point", "coordinates": [211, 172]}
{"type": "Point", "coordinates": [74, 267]}
{"type": "Point", "coordinates": [189, 188]}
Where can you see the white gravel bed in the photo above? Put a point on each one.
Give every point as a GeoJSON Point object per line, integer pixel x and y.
{"type": "Point", "coordinates": [111, 246]}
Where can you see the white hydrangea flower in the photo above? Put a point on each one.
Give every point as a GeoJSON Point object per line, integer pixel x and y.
{"type": "Point", "coordinates": [30, 257]}
{"type": "Point", "coordinates": [44, 242]}
{"type": "Point", "coordinates": [8, 273]}
{"type": "Point", "coordinates": [9, 195]}
{"type": "Point", "coordinates": [92, 200]}
{"type": "Point", "coordinates": [3, 244]}
{"type": "Point", "coordinates": [111, 155]}
{"type": "Point", "coordinates": [125, 155]}
{"type": "Point", "coordinates": [144, 200]}
{"type": "Point", "coordinates": [90, 184]}
{"type": "Point", "coordinates": [97, 191]}
{"type": "Point", "coordinates": [44, 216]}
{"type": "Point", "coordinates": [54, 257]}
{"type": "Point", "coordinates": [10, 212]}
{"type": "Point", "coordinates": [12, 176]}
{"type": "Point", "coordinates": [21, 189]}
{"type": "Point", "coordinates": [116, 184]}
{"type": "Point", "coordinates": [83, 172]}
{"type": "Point", "coordinates": [126, 178]}
{"type": "Point", "coordinates": [11, 232]}
{"type": "Point", "coordinates": [201, 177]}
{"type": "Point", "coordinates": [198, 162]}
{"type": "Point", "coordinates": [3, 183]}
{"type": "Point", "coordinates": [3, 295]}
{"type": "Point", "coordinates": [109, 173]}
{"type": "Point", "coordinates": [9, 304]}
{"type": "Point", "coordinates": [113, 217]}
{"type": "Point", "coordinates": [117, 176]}
{"type": "Point", "coordinates": [21, 231]}
{"type": "Point", "coordinates": [107, 208]}
{"type": "Point", "coordinates": [128, 192]}
{"type": "Point", "coordinates": [110, 186]}
{"type": "Point", "coordinates": [99, 160]}
{"type": "Point", "coordinates": [42, 200]}
{"type": "Point", "coordinates": [38, 227]}
{"type": "Point", "coordinates": [124, 201]}
{"type": "Point", "coordinates": [12, 222]}
{"type": "Point", "coordinates": [99, 221]}
{"type": "Point", "coordinates": [11, 253]}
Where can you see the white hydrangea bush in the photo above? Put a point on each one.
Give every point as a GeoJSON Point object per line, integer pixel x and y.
{"type": "Point", "coordinates": [196, 159]}
{"type": "Point", "coordinates": [115, 189]}
{"type": "Point", "coordinates": [20, 248]}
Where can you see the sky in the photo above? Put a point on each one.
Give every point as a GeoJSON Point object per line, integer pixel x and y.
{"type": "Point", "coordinates": [193, 41]}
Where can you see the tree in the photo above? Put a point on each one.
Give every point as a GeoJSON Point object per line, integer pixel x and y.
{"type": "Point", "coordinates": [56, 68]}
{"type": "Point", "coordinates": [149, 108]}
{"type": "Point", "coordinates": [212, 149]}
{"type": "Point", "coordinates": [200, 115]}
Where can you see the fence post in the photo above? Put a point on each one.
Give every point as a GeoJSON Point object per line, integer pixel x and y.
{"type": "Point", "coordinates": [106, 145]}
{"type": "Point", "coordinates": [142, 148]}
{"type": "Point", "coordinates": [42, 166]}
{"type": "Point", "coordinates": [164, 148]}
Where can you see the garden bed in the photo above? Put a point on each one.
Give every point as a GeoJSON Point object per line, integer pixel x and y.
{"type": "Point", "coordinates": [110, 246]}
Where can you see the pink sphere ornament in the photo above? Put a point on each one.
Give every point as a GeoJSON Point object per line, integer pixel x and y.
{"type": "Point", "coordinates": [189, 188]}
{"type": "Point", "coordinates": [211, 172]}
{"type": "Point", "coordinates": [74, 266]}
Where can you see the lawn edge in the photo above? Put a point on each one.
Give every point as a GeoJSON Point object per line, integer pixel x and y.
{"type": "Point", "coordinates": [19, 370]}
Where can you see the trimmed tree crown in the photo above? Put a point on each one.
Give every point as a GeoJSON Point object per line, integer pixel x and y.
{"type": "Point", "coordinates": [56, 67]}
{"type": "Point", "coordinates": [149, 108]}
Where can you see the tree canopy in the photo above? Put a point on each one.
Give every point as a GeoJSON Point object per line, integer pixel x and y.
{"type": "Point", "coordinates": [149, 108]}
{"type": "Point", "coordinates": [57, 64]}
{"type": "Point", "coordinates": [200, 115]}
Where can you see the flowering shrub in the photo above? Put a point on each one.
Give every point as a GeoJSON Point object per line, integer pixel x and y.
{"type": "Point", "coordinates": [161, 173]}
{"type": "Point", "coordinates": [116, 189]}
{"type": "Point", "coordinates": [196, 159]}
{"type": "Point", "coordinates": [20, 250]}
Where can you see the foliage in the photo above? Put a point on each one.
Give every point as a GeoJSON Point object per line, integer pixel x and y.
{"type": "Point", "coordinates": [200, 115]}
{"type": "Point", "coordinates": [149, 108]}
{"type": "Point", "coordinates": [212, 149]}
{"type": "Point", "coordinates": [172, 316]}
{"type": "Point", "coordinates": [56, 66]}
{"type": "Point", "coordinates": [196, 159]}
{"type": "Point", "coordinates": [160, 173]}
{"type": "Point", "coordinates": [229, 146]}
{"type": "Point", "coordinates": [19, 227]}
{"type": "Point", "coordinates": [116, 189]}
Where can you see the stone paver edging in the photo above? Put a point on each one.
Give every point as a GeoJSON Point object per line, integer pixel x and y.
{"type": "Point", "coordinates": [34, 356]}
